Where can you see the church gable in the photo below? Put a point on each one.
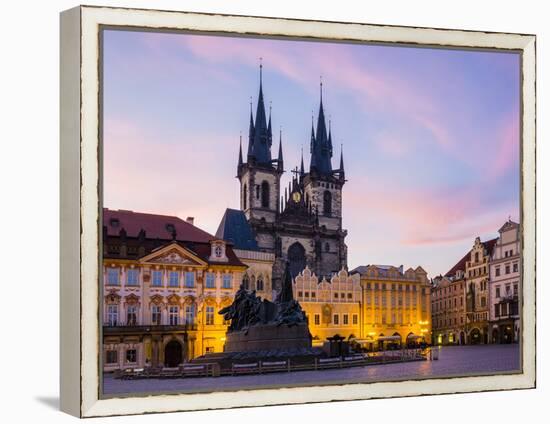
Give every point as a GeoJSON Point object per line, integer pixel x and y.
{"type": "Point", "coordinates": [173, 254]}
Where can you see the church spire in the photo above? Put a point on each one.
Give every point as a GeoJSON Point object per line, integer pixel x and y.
{"type": "Point", "coordinates": [280, 157]}
{"type": "Point", "coordinates": [269, 134]}
{"type": "Point", "coordinates": [251, 132]}
{"type": "Point", "coordinates": [302, 170]}
{"type": "Point", "coordinates": [240, 151]}
{"type": "Point", "coordinates": [321, 151]}
{"type": "Point", "coordinates": [262, 140]}
{"type": "Point", "coordinates": [342, 172]}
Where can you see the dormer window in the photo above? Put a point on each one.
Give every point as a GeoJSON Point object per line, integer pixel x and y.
{"type": "Point", "coordinates": [114, 222]}
{"type": "Point", "coordinates": [218, 251]}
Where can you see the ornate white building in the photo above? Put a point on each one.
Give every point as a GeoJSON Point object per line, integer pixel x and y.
{"type": "Point", "coordinates": [505, 289]}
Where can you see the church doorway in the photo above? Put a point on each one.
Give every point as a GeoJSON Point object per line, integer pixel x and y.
{"type": "Point", "coordinates": [173, 354]}
{"type": "Point", "coordinates": [296, 259]}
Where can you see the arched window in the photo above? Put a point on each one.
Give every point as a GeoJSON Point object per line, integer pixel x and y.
{"type": "Point", "coordinates": [327, 203]}
{"type": "Point", "coordinates": [260, 284]}
{"type": "Point", "coordinates": [297, 259]}
{"type": "Point", "coordinates": [265, 194]}
{"type": "Point", "coordinates": [257, 192]}
{"type": "Point", "coordinates": [477, 257]}
{"type": "Point", "coordinates": [246, 282]}
{"type": "Point", "coordinates": [244, 196]}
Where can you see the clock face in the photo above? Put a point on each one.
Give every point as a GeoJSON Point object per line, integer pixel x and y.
{"type": "Point", "coordinates": [296, 197]}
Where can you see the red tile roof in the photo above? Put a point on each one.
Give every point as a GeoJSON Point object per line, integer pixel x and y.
{"type": "Point", "coordinates": [155, 226]}
{"type": "Point", "coordinates": [461, 265]}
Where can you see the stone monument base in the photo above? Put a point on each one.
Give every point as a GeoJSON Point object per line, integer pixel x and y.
{"type": "Point", "coordinates": [268, 337]}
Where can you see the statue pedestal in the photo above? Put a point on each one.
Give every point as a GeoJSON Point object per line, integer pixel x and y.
{"type": "Point", "coordinates": [268, 337]}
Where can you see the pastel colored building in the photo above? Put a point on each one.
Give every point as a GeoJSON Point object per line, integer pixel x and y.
{"type": "Point", "coordinates": [164, 281]}
{"type": "Point", "coordinates": [449, 307]}
{"type": "Point", "coordinates": [371, 305]}
{"type": "Point", "coordinates": [505, 285]}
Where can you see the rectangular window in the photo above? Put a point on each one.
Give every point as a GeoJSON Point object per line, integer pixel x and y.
{"type": "Point", "coordinates": [354, 319]}
{"type": "Point", "coordinates": [300, 294]}
{"type": "Point", "coordinates": [497, 292]}
{"type": "Point", "coordinates": [111, 357]}
{"type": "Point", "coordinates": [112, 315]}
{"type": "Point", "coordinates": [507, 269]}
{"type": "Point", "coordinates": [131, 315]}
{"type": "Point", "coordinates": [155, 315]}
{"type": "Point", "coordinates": [210, 280]}
{"type": "Point", "coordinates": [190, 279]}
{"type": "Point", "coordinates": [226, 281]}
{"type": "Point", "coordinates": [190, 314]}
{"type": "Point", "coordinates": [515, 267]}
{"type": "Point", "coordinates": [132, 277]}
{"type": "Point", "coordinates": [317, 319]}
{"type": "Point", "coordinates": [209, 315]}
{"type": "Point", "coordinates": [383, 318]}
{"type": "Point", "coordinates": [157, 278]}
{"type": "Point", "coordinates": [350, 295]}
{"type": "Point", "coordinates": [174, 279]}
{"type": "Point", "coordinates": [515, 289]}
{"type": "Point", "coordinates": [497, 271]}
{"type": "Point", "coordinates": [336, 319]}
{"type": "Point", "coordinates": [173, 312]}
{"type": "Point", "coordinates": [113, 276]}
{"type": "Point", "coordinates": [131, 356]}
{"type": "Point", "coordinates": [313, 295]}
{"type": "Point", "coordinates": [368, 286]}
{"type": "Point", "coordinates": [497, 310]}
{"type": "Point", "coordinates": [345, 319]}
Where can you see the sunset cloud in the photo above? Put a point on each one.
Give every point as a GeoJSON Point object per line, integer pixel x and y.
{"type": "Point", "coordinates": [431, 136]}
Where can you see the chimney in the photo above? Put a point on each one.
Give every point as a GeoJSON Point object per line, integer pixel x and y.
{"type": "Point", "coordinates": [190, 220]}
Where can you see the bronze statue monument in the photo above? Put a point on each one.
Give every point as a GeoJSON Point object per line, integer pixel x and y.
{"type": "Point", "coordinates": [262, 325]}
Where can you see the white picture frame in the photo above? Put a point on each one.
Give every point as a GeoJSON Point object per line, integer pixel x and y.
{"type": "Point", "coordinates": [81, 191]}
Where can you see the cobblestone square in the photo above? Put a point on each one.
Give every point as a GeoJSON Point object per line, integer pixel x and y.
{"type": "Point", "coordinates": [453, 361]}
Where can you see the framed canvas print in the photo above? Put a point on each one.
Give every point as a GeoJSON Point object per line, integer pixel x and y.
{"type": "Point", "coordinates": [297, 211]}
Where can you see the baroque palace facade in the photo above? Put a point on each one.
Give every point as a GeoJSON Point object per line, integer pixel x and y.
{"type": "Point", "coordinates": [477, 301]}
{"type": "Point", "coordinates": [164, 281]}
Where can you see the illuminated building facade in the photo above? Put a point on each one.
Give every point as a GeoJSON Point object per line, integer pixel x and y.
{"type": "Point", "coordinates": [164, 281]}
{"type": "Point", "coordinates": [371, 304]}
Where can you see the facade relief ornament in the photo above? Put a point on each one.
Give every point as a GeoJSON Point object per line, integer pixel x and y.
{"type": "Point", "coordinates": [173, 299]}
{"type": "Point", "coordinates": [112, 297]}
{"type": "Point", "coordinates": [156, 299]}
{"type": "Point", "coordinates": [173, 258]}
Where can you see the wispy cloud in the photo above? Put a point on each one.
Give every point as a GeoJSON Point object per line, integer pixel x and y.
{"type": "Point", "coordinates": [431, 139]}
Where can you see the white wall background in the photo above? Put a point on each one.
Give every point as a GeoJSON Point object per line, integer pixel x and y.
{"type": "Point", "coordinates": [29, 86]}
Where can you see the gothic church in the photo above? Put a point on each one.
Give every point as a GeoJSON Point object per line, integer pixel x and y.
{"type": "Point", "coordinates": [303, 227]}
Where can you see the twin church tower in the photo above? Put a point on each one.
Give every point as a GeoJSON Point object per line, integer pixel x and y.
{"type": "Point", "coordinates": [303, 227]}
